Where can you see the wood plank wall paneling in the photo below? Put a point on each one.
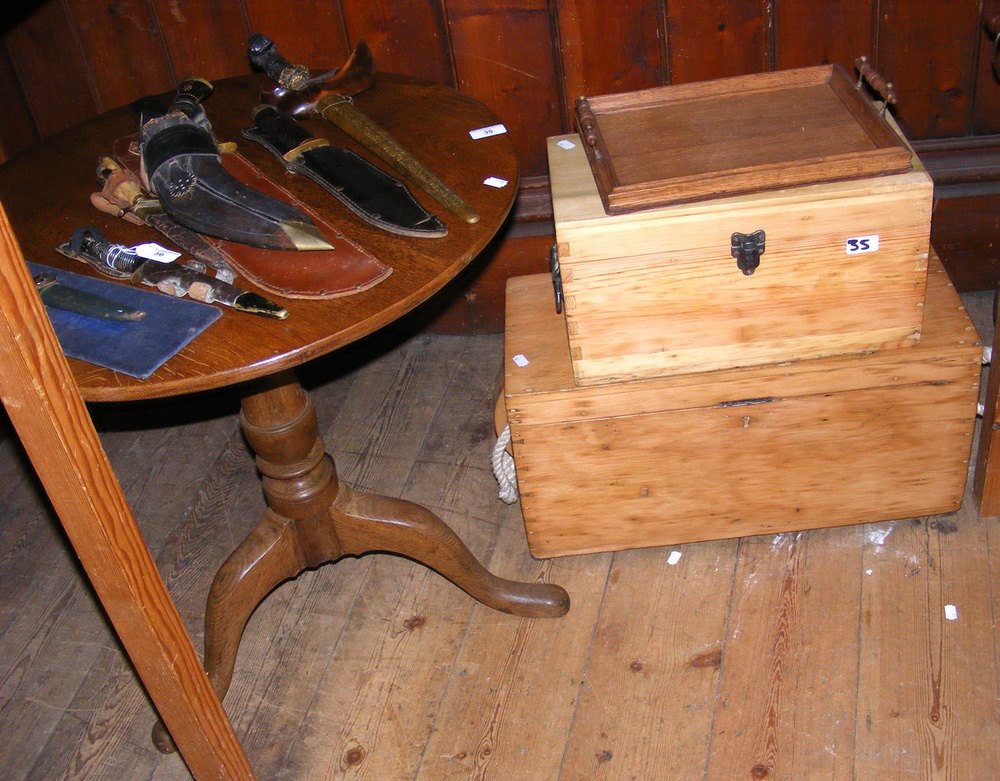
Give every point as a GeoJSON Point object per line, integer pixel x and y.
{"type": "Point", "coordinates": [17, 131]}
{"type": "Point", "coordinates": [928, 51]}
{"type": "Point", "coordinates": [527, 59]}
{"type": "Point", "coordinates": [392, 29]}
{"type": "Point", "coordinates": [127, 57]}
{"type": "Point", "coordinates": [632, 54]}
{"type": "Point", "coordinates": [49, 63]}
{"type": "Point", "coordinates": [504, 57]}
{"type": "Point", "coordinates": [810, 33]}
{"type": "Point", "coordinates": [307, 32]}
{"type": "Point", "coordinates": [63, 61]}
{"type": "Point", "coordinates": [710, 40]}
{"type": "Point", "coordinates": [204, 39]}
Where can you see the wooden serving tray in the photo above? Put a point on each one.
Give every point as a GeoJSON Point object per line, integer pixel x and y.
{"type": "Point", "coordinates": [712, 139]}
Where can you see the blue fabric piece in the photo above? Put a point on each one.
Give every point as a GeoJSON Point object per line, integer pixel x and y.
{"type": "Point", "coordinates": [137, 348]}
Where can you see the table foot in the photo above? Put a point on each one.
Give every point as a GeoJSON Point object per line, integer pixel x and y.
{"type": "Point", "coordinates": [269, 555]}
{"type": "Point", "coordinates": [370, 523]}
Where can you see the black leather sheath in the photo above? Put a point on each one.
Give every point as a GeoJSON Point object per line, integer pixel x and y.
{"type": "Point", "coordinates": [374, 195]}
{"type": "Point", "coordinates": [182, 166]}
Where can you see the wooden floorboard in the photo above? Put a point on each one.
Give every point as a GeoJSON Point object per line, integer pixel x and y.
{"type": "Point", "coordinates": [825, 654]}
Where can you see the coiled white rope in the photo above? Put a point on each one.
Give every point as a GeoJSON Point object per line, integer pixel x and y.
{"type": "Point", "coordinates": [503, 468]}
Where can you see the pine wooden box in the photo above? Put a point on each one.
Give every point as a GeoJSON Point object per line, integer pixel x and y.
{"type": "Point", "coordinates": [727, 453]}
{"type": "Point", "coordinates": [657, 291]}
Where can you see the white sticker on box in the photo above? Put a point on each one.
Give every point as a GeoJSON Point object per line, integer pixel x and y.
{"type": "Point", "coordinates": [859, 244]}
{"type": "Point", "coordinates": [951, 612]}
{"type": "Point", "coordinates": [486, 132]}
{"type": "Point", "coordinates": [674, 557]}
{"type": "Point", "coordinates": [495, 181]}
{"type": "Point", "coordinates": [566, 144]}
{"type": "Point", "coordinates": [520, 360]}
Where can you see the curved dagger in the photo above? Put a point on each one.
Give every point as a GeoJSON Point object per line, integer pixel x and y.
{"type": "Point", "coordinates": [181, 162]}
{"type": "Point", "coordinates": [330, 96]}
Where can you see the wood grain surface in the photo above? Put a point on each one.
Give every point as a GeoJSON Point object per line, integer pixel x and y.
{"type": "Point", "coordinates": [55, 428]}
{"type": "Point", "coordinates": [654, 292]}
{"type": "Point", "coordinates": [57, 177]}
{"type": "Point", "coordinates": [528, 62]}
{"type": "Point", "coordinates": [789, 446]}
{"type": "Point", "coordinates": [713, 660]}
{"type": "Point", "coordinates": [525, 60]}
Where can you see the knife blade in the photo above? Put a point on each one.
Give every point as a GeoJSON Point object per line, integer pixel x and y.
{"type": "Point", "coordinates": [70, 299]}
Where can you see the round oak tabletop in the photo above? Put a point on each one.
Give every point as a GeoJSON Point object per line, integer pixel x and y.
{"type": "Point", "coordinates": [46, 192]}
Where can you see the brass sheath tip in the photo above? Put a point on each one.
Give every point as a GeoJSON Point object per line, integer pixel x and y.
{"type": "Point", "coordinates": [305, 236]}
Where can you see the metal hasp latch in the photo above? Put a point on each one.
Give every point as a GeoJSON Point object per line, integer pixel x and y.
{"type": "Point", "coordinates": [557, 287]}
{"type": "Point", "coordinates": [747, 249]}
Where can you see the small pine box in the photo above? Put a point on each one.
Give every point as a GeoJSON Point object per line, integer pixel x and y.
{"type": "Point", "coordinates": [649, 199]}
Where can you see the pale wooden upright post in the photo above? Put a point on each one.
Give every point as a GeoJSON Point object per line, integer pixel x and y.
{"type": "Point", "coordinates": [51, 419]}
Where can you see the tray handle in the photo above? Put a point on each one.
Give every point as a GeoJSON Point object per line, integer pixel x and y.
{"type": "Point", "coordinates": [993, 29]}
{"type": "Point", "coordinates": [878, 82]}
{"type": "Point", "coordinates": [588, 127]}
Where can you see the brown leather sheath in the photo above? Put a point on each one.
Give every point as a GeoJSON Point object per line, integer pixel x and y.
{"type": "Point", "coordinates": [345, 269]}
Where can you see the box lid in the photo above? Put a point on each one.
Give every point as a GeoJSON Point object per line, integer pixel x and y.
{"type": "Point", "coordinates": [743, 134]}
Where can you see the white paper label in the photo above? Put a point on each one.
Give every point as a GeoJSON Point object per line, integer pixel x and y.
{"type": "Point", "coordinates": [495, 181]}
{"type": "Point", "coordinates": [859, 244]}
{"type": "Point", "coordinates": [520, 360]}
{"type": "Point", "coordinates": [674, 557]}
{"type": "Point", "coordinates": [486, 132]}
{"type": "Point", "coordinates": [951, 612]}
{"type": "Point", "coordinates": [155, 252]}
{"type": "Point", "coordinates": [566, 144]}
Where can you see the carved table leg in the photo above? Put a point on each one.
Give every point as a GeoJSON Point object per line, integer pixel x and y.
{"type": "Point", "coordinates": [312, 519]}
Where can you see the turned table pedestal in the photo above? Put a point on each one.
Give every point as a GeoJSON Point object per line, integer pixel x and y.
{"type": "Point", "coordinates": [311, 517]}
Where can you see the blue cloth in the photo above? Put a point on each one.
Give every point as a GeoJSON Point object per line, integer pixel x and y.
{"type": "Point", "coordinates": [137, 348]}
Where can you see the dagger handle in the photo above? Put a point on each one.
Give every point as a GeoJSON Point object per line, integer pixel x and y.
{"type": "Point", "coordinates": [264, 55]}
{"type": "Point", "coordinates": [190, 94]}
{"type": "Point", "coordinates": [342, 113]}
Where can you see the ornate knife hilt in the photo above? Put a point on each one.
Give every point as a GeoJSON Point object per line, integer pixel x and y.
{"type": "Point", "coordinates": [264, 55]}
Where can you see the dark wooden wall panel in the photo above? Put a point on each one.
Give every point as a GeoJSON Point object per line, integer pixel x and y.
{"type": "Point", "coordinates": [17, 131]}
{"type": "Point", "coordinates": [51, 69]}
{"type": "Point", "coordinates": [64, 60]}
{"type": "Point", "coordinates": [391, 28]}
{"type": "Point", "coordinates": [632, 54]}
{"type": "Point", "coordinates": [971, 265]}
{"type": "Point", "coordinates": [926, 49]}
{"type": "Point", "coordinates": [504, 57]}
{"type": "Point", "coordinates": [710, 39]}
{"type": "Point", "coordinates": [134, 61]}
{"type": "Point", "coordinates": [807, 32]}
{"type": "Point", "coordinates": [308, 32]}
{"type": "Point", "coordinates": [205, 39]}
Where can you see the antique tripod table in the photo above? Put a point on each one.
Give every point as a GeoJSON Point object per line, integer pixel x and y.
{"type": "Point", "coordinates": [311, 517]}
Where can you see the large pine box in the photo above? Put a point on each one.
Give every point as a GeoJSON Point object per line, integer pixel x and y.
{"type": "Point", "coordinates": [793, 162]}
{"type": "Point", "coordinates": [707, 455]}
